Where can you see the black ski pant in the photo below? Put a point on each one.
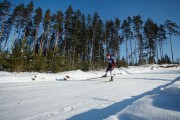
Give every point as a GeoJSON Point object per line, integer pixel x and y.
{"type": "Point", "coordinates": [109, 68]}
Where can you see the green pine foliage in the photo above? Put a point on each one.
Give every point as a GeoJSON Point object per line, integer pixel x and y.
{"type": "Point", "coordinates": [121, 63]}
{"type": "Point", "coordinates": [17, 59]}
{"type": "Point", "coordinates": [4, 61]}
{"type": "Point", "coordinates": [164, 60]}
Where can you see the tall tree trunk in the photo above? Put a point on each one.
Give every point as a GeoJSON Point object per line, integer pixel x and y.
{"type": "Point", "coordinates": [24, 40]}
{"type": "Point", "coordinates": [157, 52]}
{"type": "Point", "coordinates": [135, 56]}
{"type": "Point", "coordinates": [74, 53]}
{"type": "Point", "coordinates": [92, 47]}
{"type": "Point", "coordinates": [118, 44]}
{"type": "Point", "coordinates": [24, 34]}
{"type": "Point", "coordinates": [171, 49]}
{"type": "Point", "coordinates": [64, 45]}
{"type": "Point", "coordinates": [2, 29]}
{"type": "Point", "coordinates": [132, 61]}
{"type": "Point", "coordinates": [119, 52]}
{"type": "Point", "coordinates": [162, 49]}
{"type": "Point", "coordinates": [92, 44]}
{"type": "Point", "coordinates": [105, 47]}
{"type": "Point", "coordinates": [148, 52]}
{"type": "Point", "coordinates": [57, 38]}
{"type": "Point", "coordinates": [7, 37]}
{"type": "Point", "coordinates": [48, 41]}
{"type": "Point", "coordinates": [35, 40]}
{"type": "Point", "coordinates": [126, 52]}
{"type": "Point", "coordinates": [19, 33]}
{"type": "Point", "coordinates": [140, 54]}
{"type": "Point", "coordinates": [41, 44]}
{"type": "Point", "coordinates": [12, 43]}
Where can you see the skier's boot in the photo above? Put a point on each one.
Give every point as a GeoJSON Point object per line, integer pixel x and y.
{"type": "Point", "coordinates": [104, 75]}
{"type": "Point", "coordinates": [111, 80]}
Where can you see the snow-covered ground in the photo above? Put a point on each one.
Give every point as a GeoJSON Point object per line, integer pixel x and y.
{"type": "Point", "coordinates": [137, 93]}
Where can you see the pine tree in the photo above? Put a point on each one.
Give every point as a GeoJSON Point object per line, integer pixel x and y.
{"type": "Point", "coordinates": [137, 26]}
{"type": "Point", "coordinates": [6, 33]}
{"type": "Point", "coordinates": [125, 33]}
{"type": "Point", "coordinates": [27, 15]}
{"type": "Point", "coordinates": [106, 36]}
{"type": "Point", "coordinates": [58, 26]}
{"type": "Point", "coordinates": [130, 35]}
{"type": "Point", "coordinates": [96, 42]}
{"type": "Point", "coordinates": [44, 43]}
{"type": "Point", "coordinates": [84, 40]}
{"type": "Point", "coordinates": [117, 38]}
{"type": "Point", "coordinates": [150, 32]}
{"type": "Point", "coordinates": [17, 18]}
{"type": "Point", "coordinates": [89, 32]}
{"type": "Point", "coordinates": [67, 43]}
{"type": "Point", "coordinates": [37, 20]}
{"type": "Point", "coordinates": [172, 29]}
{"type": "Point", "coordinates": [4, 13]}
{"type": "Point", "coordinates": [76, 38]}
{"type": "Point", "coordinates": [121, 41]}
{"type": "Point", "coordinates": [161, 38]}
{"type": "Point", "coordinates": [5, 23]}
{"type": "Point", "coordinates": [109, 36]}
{"type": "Point", "coordinates": [112, 38]}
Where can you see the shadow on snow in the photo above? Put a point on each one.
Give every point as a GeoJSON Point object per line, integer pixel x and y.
{"type": "Point", "coordinates": [149, 79]}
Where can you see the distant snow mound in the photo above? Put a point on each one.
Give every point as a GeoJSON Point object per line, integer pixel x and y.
{"type": "Point", "coordinates": [171, 90]}
{"type": "Point", "coordinates": [169, 65]}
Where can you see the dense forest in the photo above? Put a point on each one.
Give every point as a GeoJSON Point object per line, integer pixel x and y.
{"type": "Point", "coordinates": [54, 42]}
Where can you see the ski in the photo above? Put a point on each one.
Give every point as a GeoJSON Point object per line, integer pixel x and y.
{"type": "Point", "coordinates": [97, 78]}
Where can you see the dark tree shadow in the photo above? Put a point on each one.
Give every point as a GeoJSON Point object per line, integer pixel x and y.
{"type": "Point", "coordinates": [149, 79]}
{"type": "Point", "coordinates": [168, 101]}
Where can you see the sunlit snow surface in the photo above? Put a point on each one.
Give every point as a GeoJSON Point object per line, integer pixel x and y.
{"type": "Point", "coordinates": [137, 93]}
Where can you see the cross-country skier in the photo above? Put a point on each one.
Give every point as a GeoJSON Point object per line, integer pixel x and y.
{"type": "Point", "coordinates": [111, 65]}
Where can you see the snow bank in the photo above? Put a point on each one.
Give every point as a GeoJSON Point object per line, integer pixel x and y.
{"type": "Point", "coordinates": [162, 105]}
{"type": "Point", "coordinates": [72, 75]}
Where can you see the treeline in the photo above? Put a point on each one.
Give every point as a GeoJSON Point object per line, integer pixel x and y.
{"type": "Point", "coordinates": [33, 41]}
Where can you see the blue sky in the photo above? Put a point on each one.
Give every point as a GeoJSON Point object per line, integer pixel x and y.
{"type": "Point", "coordinates": [158, 10]}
